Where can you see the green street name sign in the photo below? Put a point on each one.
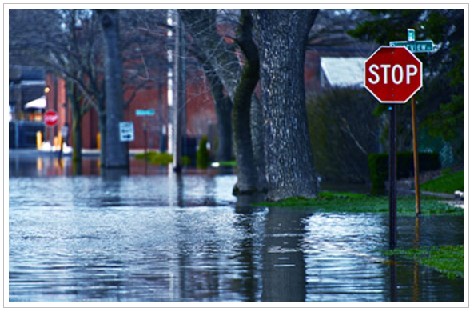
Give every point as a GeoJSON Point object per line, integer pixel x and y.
{"type": "Point", "coordinates": [145, 112]}
{"type": "Point", "coordinates": [415, 46]}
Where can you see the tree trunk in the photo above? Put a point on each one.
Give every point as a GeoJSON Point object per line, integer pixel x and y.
{"type": "Point", "coordinates": [247, 173]}
{"type": "Point", "coordinates": [289, 161]}
{"type": "Point", "coordinates": [76, 127]}
{"type": "Point", "coordinates": [102, 118]}
{"type": "Point", "coordinates": [223, 105]}
{"type": "Point", "coordinates": [116, 152]}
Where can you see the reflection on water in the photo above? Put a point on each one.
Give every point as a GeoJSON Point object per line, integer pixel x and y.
{"type": "Point", "coordinates": [161, 237]}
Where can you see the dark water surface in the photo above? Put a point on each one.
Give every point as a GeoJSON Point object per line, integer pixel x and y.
{"type": "Point", "coordinates": [157, 237]}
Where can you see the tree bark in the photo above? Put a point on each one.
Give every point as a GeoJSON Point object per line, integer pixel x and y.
{"type": "Point", "coordinates": [247, 181]}
{"type": "Point", "coordinates": [258, 142]}
{"type": "Point", "coordinates": [282, 36]}
{"type": "Point", "coordinates": [116, 152]}
{"type": "Point", "coordinates": [223, 105]}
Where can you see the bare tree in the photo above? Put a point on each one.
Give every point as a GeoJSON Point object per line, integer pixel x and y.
{"type": "Point", "coordinates": [230, 61]}
{"type": "Point", "coordinates": [220, 66]}
{"type": "Point", "coordinates": [68, 47]}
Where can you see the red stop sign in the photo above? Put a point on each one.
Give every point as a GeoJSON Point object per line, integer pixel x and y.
{"type": "Point", "coordinates": [51, 118]}
{"type": "Point", "coordinates": [393, 74]}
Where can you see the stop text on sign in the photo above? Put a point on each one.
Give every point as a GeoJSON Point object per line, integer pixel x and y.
{"type": "Point", "coordinates": [396, 74]}
{"type": "Point", "coordinates": [393, 74]}
{"type": "Point", "coordinates": [51, 118]}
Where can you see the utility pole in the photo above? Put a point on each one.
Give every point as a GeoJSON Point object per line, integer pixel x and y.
{"type": "Point", "coordinates": [179, 94]}
{"type": "Point", "coordinates": [170, 79]}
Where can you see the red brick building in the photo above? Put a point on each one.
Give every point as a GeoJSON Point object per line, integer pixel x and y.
{"type": "Point", "coordinates": [200, 111]}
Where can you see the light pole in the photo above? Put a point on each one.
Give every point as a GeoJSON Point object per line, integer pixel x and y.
{"type": "Point", "coordinates": [177, 97]}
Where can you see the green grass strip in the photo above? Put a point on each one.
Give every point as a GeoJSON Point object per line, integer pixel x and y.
{"type": "Point", "coordinates": [446, 183]}
{"type": "Point", "coordinates": [448, 260]}
{"type": "Point", "coordinates": [362, 203]}
{"type": "Point", "coordinates": [161, 159]}
{"type": "Point", "coordinates": [228, 163]}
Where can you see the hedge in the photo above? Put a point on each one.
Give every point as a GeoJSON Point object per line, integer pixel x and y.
{"type": "Point", "coordinates": [378, 167]}
{"type": "Point", "coordinates": [202, 154]}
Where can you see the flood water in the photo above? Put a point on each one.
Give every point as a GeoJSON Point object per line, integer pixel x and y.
{"type": "Point", "coordinates": [151, 236]}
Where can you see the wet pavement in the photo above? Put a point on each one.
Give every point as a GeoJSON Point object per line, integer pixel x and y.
{"type": "Point", "coordinates": [151, 236]}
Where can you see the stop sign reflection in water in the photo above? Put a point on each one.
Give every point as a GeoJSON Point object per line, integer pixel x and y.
{"type": "Point", "coordinates": [393, 74]}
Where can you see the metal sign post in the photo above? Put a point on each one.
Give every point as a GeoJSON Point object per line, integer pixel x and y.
{"type": "Point", "coordinates": [51, 120]}
{"type": "Point", "coordinates": [392, 176]}
{"type": "Point", "coordinates": [145, 113]}
{"type": "Point", "coordinates": [393, 75]}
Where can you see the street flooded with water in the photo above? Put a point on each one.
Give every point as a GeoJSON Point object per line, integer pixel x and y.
{"type": "Point", "coordinates": [151, 236]}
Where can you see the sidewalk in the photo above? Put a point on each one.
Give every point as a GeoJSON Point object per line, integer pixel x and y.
{"type": "Point", "coordinates": [452, 199]}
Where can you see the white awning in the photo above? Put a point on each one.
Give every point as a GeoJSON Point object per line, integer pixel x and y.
{"type": "Point", "coordinates": [39, 103]}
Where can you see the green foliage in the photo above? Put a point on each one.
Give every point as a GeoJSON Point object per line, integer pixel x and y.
{"type": "Point", "coordinates": [387, 25]}
{"type": "Point", "coordinates": [342, 131]}
{"type": "Point", "coordinates": [362, 203]}
{"type": "Point", "coordinates": [202, 154]}
{"type": "Point", "coordinates": [447, 183]}
{"type": "Point", "coordinates": [378, 172]}
{"type": "Point", "coordinates": [448, 260]}
{"type": "Point", "coordinates": [378, 168]}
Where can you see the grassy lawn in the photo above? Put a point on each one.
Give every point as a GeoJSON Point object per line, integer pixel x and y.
{"type": "Point", "coordinates": [362, 203]}
{"type": "Point", "coordinates": [161, 159]}
{"type": "Point", "coordinates": [156, 158]}
{"type": "Point", "coordinates": [228, 163]}
{"type": "Point", "coordinates": [447, 183]}
{"type": "Point", "coordinates": [448, 260]}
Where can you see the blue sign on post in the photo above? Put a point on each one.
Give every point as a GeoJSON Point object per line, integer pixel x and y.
{"type": "Point", "coordinates": [421, 46]}
{"type": "Point", "coordinates": [145, 112]}
{"type": "Point", "coordinates": [411, 34]}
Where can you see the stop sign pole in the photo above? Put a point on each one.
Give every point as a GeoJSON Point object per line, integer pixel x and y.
{"type": "Point", "coordinates": [392, 177]}
{"type": "Point", "coordinates": [393, 75]}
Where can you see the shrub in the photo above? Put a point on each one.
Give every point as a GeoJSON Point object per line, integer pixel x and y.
{"type": "Point", "coordinates": [342, 131]}
{"type": "Point", "coordinates": [202, 154]}
{"type": "Point", "coordinates": [378, 172]}
{"type": "Point", "coordinates": [378, 167]}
